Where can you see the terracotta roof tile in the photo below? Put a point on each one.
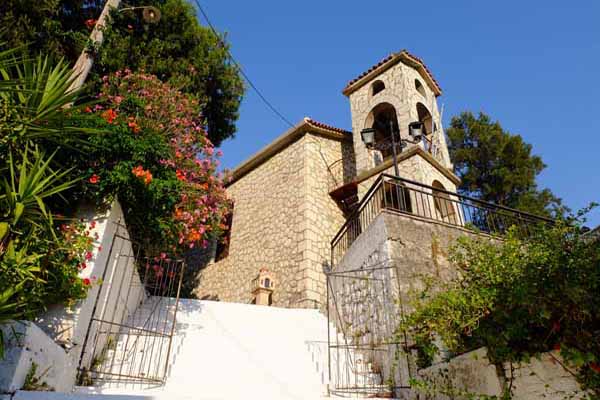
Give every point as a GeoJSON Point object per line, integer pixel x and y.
{"type": "Point", "coordinates": [403, 53]}
{"type": "Point", "coordinates": [373, 68]}
{"type": "Point", "coordinates": [321, 125]}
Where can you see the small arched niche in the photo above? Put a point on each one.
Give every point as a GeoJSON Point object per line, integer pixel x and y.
{"type": "Point", "coordinates": [425, 117]}
{"type": "Point", "coordinates": [384, 120]}
{"type": "Point", "coordinates": [420, 88]}
{"type": "Point", "coordinates": [377, 87]}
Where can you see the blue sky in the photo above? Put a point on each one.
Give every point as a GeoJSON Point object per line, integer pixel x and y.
{"type": "Point", "coordinates": [532, 65]}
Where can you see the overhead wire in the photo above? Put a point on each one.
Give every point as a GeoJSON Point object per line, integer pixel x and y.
{"type": "Point", "coordinates": [240, 69]}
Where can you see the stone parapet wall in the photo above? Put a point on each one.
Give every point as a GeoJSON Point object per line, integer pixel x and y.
{"type": "Point", "coordinates": [392, 257]}
{"type": "Point", "coordinates": [419, 249]}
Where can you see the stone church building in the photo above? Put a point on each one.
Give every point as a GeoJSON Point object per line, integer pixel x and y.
{"type": "Point", "coordinates": [296, 195]}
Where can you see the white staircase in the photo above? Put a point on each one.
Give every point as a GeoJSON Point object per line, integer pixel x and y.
{"type": "Point", "coordinates": [235, 351]}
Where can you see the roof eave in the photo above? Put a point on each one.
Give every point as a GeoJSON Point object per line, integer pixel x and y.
{"type": "Point", "coordinates": [284, 140]}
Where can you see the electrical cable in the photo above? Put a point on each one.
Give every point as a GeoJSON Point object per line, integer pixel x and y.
{"type": "Point", "coordinates": [239, 67]}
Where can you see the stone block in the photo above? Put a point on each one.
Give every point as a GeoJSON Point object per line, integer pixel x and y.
{"type": "Point", "coordinates": [470, 373]}
{"type": "Point", "coordinates": [544, 377]}
{"type": "Point", "coordinates": [27, 347]}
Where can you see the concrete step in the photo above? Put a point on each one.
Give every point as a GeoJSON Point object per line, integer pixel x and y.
{"type": "Point", "coordinates": [235, 351]}
{"type": "Point", "coordinates": [25, 395]}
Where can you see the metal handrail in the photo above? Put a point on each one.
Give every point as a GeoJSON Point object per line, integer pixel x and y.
{"type": "Point", "coordinates": [361, 206]}
{"type": "Point", "coordinates": [417, 199]}
{"type": "Point", "coordinates": [473, 199]}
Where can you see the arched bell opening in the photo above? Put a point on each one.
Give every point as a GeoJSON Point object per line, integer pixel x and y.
{"type": "Point", "coordinates": [377, 87]}
{"type": "Point", "coordinates": [384, 120]}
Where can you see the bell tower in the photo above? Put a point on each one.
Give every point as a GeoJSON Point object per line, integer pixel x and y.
{"type": "Point", "coordinates": [385, 100]}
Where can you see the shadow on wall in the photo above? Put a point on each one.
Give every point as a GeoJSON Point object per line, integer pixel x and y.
{"type": "Point", "coordinates": [196, 260]}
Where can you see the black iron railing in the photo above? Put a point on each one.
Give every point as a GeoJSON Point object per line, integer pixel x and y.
{"type": "Point", "coordinates": [430, 203]}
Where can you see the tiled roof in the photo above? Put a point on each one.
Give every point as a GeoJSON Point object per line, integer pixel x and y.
{"type": "Point", "coordinates": [404, 54]}
{"type": "Point", "coordinates": [321, 125]}
{"type": "Point", "coordinates": [373, 68]}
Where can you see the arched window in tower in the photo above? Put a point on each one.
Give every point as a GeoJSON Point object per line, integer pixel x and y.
{"type": "Point", "coordinates": [384, 120]}
{"type": "Point", "coordinates": [425, 117]}
{"type": "Point", "coordinates": [420, 88]}
{"type": "Point", "coordinates": [444, 206]}
{"type": "Point", "coordinates": [377, 87]}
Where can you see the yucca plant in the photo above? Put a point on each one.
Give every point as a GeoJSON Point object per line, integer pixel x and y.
{"type": "Point", "coordinates": [36, 102]}
{"type": "Point", "coordinates": [28, 184]}
{"type": "Point", "coordinates": [38, 116]}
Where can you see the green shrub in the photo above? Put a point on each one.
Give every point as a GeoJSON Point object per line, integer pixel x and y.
{"type": "Point", "coordinates": [519, 297]}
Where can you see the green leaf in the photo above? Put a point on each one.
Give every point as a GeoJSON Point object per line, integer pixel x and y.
{"type": "Point", "coordinates": [4, 228]}
{"type": "Point", "coordinates": [18, 211]}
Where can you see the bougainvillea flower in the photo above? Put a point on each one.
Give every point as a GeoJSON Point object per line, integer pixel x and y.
{"type": "Point", "coordinates": [87, 282]}
{"type": "Point", "coordinates": [181, 175]}
{"type": "Point", "coordinates": [202, 197]}
{"type": "Point", "coordinates": [595, 367]}
{"type": "Point", "coordinates": [109, 115]}
{"type": "Point", "coordinates": [143, 174]}
{"type": "Point", "coordinates": [133, 125]}
{"type": "Point", "coordinates": [94, 179]}
{"type": "Point", "coordinates": [90, 23]}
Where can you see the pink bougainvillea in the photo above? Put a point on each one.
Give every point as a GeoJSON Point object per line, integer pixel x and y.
{"type": "Point", "coordinates": [193, 159]}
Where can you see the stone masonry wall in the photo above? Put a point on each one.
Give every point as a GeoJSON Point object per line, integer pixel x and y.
{"type": "Point", "coordinates": [323, 216]}
{"type": "Point", "coordinates": [420, 248]}
{"type": "Point", "coordinates": [283, 220]}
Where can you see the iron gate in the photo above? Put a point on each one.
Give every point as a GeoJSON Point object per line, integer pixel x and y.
{"type": "Point", "coordinates": [130, 334]}
{"type": "Point", "coordinates": [367, 354]}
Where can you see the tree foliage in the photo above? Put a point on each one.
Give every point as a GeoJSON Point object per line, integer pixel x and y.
{"type": "Point", "coordinates": [519, 298]}
{"type": "Point", "coordinates": [497, 166]}
{"type": "Point", "coordinates": [178, 50]}
{"type": "Point", "coordinates": [54, 27]}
